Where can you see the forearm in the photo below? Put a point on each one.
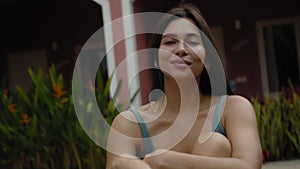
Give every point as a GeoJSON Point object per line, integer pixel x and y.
{"type": "Point", "coordinates": [177, 160]}
{"type": "Point", "coordinates": [129, 163]}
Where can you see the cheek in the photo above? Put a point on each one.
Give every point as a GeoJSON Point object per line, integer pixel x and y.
{"type": "Point", "coordinates": [199, 54]}
{"type": "Point", "coordinates": [197, 69]}
{"type": "Point", "coordinates": [202, 55]}
{"type": "Point", "coordinates": [163, 57]}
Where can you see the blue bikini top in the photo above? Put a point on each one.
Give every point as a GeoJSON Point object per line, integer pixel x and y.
{"type": "Point", "coordinates": [147, 142]}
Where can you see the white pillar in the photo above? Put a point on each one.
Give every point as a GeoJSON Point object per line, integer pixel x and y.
{"type": "Point", "coordinates": [130, 46]}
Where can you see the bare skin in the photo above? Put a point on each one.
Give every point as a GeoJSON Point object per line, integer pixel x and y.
{"type": "Point", "coordinates": [237, 151]}
{"type": "Point", "coordinates": [240, 149]}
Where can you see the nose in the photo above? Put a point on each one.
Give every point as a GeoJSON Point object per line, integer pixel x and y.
{"type": "Point", "coordinates": [181, 49]}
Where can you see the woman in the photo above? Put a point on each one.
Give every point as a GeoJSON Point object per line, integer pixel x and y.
{"type": "Point", "coordinates": [208, 129]}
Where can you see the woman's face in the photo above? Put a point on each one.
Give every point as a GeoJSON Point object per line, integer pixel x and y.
{"type": "Point", "coordinates": [181, 49]}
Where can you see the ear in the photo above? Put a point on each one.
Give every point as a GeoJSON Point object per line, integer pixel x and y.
{"type": "Point", "coordinates": [207, 65]}
{"type": "Point", "coordinates": [156, 64]}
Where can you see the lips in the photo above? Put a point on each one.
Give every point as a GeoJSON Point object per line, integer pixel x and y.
{"type": "Point", "coordinates": [188, 62]}
{"type": "Point", "coordinates": [182, 62]}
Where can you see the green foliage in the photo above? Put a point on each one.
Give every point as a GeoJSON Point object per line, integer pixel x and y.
{"type": "Point", "coordinates": [278, 122]}
{"type": "Point", "coordinates": [39, 127]}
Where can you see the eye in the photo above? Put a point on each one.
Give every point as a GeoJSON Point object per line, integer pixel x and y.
{"type": "Point", "coordinates": [169, 42]}
{"type": "Point", "coordinates": [193, 43]}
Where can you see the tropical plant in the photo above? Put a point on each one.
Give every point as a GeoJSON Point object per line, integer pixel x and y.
{"type": "Point", "coordinates": [278, 122]}
{"type": "Point", "coordinates": [39, 127]}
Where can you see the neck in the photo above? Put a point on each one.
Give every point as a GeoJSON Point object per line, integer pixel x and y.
{"type": "Point", "coordinates": [183, 98]}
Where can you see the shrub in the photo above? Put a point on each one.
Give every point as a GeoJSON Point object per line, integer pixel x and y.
{"type": "Point", "coordinates": [278, 122]}
{"type": "Point", "coordinates": [39, 128]}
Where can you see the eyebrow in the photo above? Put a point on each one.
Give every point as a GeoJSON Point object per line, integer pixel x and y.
{"type": "Point", "coordinates": [174, 35]}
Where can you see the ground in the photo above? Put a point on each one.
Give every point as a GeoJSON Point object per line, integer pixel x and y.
{"type": "Point", "coordinates": [291, 164]}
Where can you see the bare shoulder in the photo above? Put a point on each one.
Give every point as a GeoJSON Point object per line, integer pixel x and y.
{"type": "Point", "coordinates": [126, 122]}
{"type": "Point", "coordinates": [238, 102]}
{"type": "Point", "coordinates": [238, 107]}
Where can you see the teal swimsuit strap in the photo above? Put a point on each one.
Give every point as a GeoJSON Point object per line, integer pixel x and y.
{"type": "Point", "coordinates": [217, 124]}
{"type": "Point", "coordinates": [147, 142]}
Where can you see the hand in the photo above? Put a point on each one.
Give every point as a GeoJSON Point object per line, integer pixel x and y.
{"type": "Point", "coordinates": [129, 163]}
{"type": "Point", "coordinates": [157, 158]}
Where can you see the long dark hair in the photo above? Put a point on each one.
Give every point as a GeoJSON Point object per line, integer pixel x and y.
{"type": "Point", "coordinates": [192, 12]}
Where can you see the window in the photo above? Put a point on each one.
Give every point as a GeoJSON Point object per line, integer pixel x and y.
{"type": "Point", "coordinates": [279, 54]}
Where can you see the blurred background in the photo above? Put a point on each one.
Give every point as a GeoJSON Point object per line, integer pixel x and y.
{"type": "Point", "coordinates": [260, 40]}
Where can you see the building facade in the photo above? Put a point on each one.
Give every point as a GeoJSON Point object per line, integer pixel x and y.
{"type": "Point", "coordinates": [260, 40]}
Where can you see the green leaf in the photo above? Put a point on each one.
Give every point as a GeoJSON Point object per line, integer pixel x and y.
{"type": "Point", "coordinates": [52, 74]}
{"type": "Point", "coordinates": [89, 107]}
{"type": "Point", "coordinates": [134, 95]}
{"type": "Point", "coordinates": [23, 95]}
{"type": "Point", "coordinates": [117, 90]}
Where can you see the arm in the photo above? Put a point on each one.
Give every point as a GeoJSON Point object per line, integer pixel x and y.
{"type": "Point", "coordinates": [127, 163]}
{"type": "Point", "coordinates": [121, 144]}
{"type": "Point", "coordinates": [240, 124]}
